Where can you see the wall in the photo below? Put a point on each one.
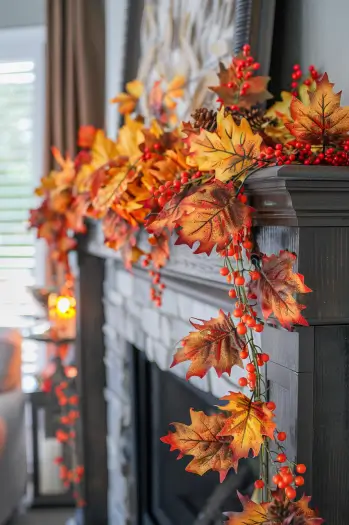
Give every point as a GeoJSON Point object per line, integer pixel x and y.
{"type": "Point", "coordinates": [311, 32]}
{"type": "Point", "coordinates": [15, 13]}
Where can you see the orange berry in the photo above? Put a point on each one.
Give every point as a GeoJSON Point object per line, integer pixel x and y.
{"type": "Point", "coordinates": [244, 354]}
{"type": "Point", "coordinates": [239, 280]}
{"type": "Point", "coordinates": [241, 329]}
{"type": "Point", "coordinates": [224, 271]}
{"type": "Point", "coordinates": [271, 405]}
{"type": "Point", "coordinates": [282, 436]}
{"type": "Point", "coordinates": [242, 381]}
{"type": "Point", "coordinates": [232, 293]}
{"type": "Point", "coordinates": [276, 479]}
{"type": "Point", "coordinates": [259, 327]}
{"type": "Point", "coordinates": [281, 458]}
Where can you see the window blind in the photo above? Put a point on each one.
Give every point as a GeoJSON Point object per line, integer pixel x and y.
{"type": "Point", "coordinates": [17, 181]}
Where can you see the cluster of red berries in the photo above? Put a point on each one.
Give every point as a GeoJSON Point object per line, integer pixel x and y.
{"type": "Point", "coordinates": [157, 287]}
{"type": "Point", "coordinates": [284, 479]}
{"type": "Point", "coordinates": [297, 76]}
{"type": "Point", "coordinates": [148, 153]}
{"type": "Point", "coordinates": [166, 191]}
{"type": "Point", "coordinates": [244, 70]}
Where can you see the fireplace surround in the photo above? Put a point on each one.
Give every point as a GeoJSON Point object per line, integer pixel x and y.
{"type": "Point", "coordinates": [303, 209]}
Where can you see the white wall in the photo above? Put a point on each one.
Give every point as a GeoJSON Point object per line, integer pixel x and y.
{"type": "Point", "coordinates": [15, 13]}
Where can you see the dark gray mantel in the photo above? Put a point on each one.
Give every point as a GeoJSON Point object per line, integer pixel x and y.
{"type": "Point", "coordinates": [305, 210]}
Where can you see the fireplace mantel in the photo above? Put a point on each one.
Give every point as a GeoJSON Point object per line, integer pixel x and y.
{"type": "Point", "coordinates": [302, 209]}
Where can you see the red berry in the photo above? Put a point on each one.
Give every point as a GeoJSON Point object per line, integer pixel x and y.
{"type": "Point", "coordinates": [241, 329]}
{"type": "Point", "coordinates": [250, 367]}
{"type": "Point", "coordinates": [282, 436]}
{"type": "Point", "coordinates": [238, 312]}
{"type": "Point", "coordinates": [301, 468]}
{"type": "Point", "coordinates": [248, 245]}
{"type": "Point", "coordinates": [251, 322]}
{"type": "Point", "coordinates": [265, 358]}
{"type": "Point", "coordinates": [299, 481]}
{"type": "Point", "coordinates": [281, 458]}
{"type": "Point", "coordinates": [244, 354]}
{"type": "Point", "coordinates": [271, 405]}
{"type": "Point", "coordinates": [256, 65]}
{"type": "Point", "coordinates": [259, 484]}
{"type": "Point", "coordinates": [224, 271]}
{"type": "Point", "coordinates": [255, 275]}
{"type": "Point", "coordinates": [290, 492]}
{"type": "Point", "coordinates": [282, 484]}
{"type": "Point", "coordinates": [287, 478]}
{"type": "Point", "coordinates": [251, 376]}
{"type": "Point", "coordinates": [259, 327]}
{"type": "Point", "coordinates": [276, 479]}
{"type": "Point", "coordinates": [239, 280]}
{"type": "Point", "coordinates": [162, 201]}
{"type": "Point", "coordinates": [232, 293]}
{"type": "Point", "coordinates": [242, 381]}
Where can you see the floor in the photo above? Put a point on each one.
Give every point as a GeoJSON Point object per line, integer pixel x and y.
{"type": "Point", "coordinates": [44, 517]}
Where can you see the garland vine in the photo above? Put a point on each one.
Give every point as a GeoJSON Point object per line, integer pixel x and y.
{"type": "Point", "coordinates": [189, 179]}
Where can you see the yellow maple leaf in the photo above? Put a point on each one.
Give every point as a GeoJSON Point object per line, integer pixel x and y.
{"type": "Point", "coordinates": [230, 151]}
{"type": "Point", "coordinates": [128, 101]}
{"type": "Point", "coordinates": [174, 90]}
{"type": "Point", "coordinates": [249, 423]}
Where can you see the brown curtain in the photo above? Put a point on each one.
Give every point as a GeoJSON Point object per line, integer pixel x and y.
{"type": "Point", "coordinates": [75, 80]}
{"type": "Point", "coordinates": [75, 71]}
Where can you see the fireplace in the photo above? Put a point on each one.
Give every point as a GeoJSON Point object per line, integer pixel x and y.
{"type": "Point", "coordinates": [165, 493]}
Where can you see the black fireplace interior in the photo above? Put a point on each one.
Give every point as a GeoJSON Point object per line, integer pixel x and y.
{"type": "Point", "coordinates": [165, 494]}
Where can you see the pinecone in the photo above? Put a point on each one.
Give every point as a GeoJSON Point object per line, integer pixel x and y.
{"type": "Point", "coordinates": [255, 117]}
{"type": "Point", "coordinates": [279, 511]}
{"type": "Point", "coordinates": [205, 118]}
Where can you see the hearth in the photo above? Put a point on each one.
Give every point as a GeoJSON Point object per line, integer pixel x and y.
{"type": "Point", "coordinates": [165, 493]}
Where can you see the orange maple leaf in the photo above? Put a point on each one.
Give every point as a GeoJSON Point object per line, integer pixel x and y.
{"type": "Point", "coordinates": [211, 216]}
{"type": "Point", "coordinates": [201, 440]}
{"type": "Point", "coordinates": [249, 422]}
{"type": "Point", "coordinates": [230, 151]}
{"type": "Point", "coordinates": [276, 287]}
{"type": "Point", "coordinates": [128, 101]}
{"type": "Point", "coordinates": [215, 344]}
{"type": "Point", "coordinates": [252, 514]}
{"type": "Point", "coordinates": [168, 217]}
{"type": "Point", "coordinates": [86, 136]}
{"type": "Point", "coordinates": [160, 252]}
{"type": "Point", "coordinates": [323, 121]}
{"type": "Point", "coordinates": [256, 93]}
{"type": "Point", "coordinates": [296, 510]}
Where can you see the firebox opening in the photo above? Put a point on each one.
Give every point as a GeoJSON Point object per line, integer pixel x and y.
{"type": "Point", "coordinates": [165, 494]}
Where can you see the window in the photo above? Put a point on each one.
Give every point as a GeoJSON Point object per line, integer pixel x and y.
{"type": "Point", "coordinates": [21, 152]}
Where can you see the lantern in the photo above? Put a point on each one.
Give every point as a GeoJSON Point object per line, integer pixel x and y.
{"type": "Point", "coordinates": [62, 315]}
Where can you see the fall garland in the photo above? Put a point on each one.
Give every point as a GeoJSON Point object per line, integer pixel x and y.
{"type": "Point", "coordinates": [189, 179]}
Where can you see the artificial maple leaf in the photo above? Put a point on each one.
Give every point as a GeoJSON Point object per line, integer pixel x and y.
{"type": "Point", "coordinates": [117, 232]}
{"type": "Point", "coordinates": [86, 136]}
{"type": "Point", "coordinates": [276, 287]}
{"type": "Point", "coordinates": [323, 121]}
{"type": "Point", "coordinates": [257, 93]}
{"type": "Point", "coordinates": [128, 101]}
{"type": "Point", "coordinates": [174, 90]}
{"type": "Point", "coordinates": [252, 514]}
{"type": "Point", "coordinates": [170, 214]}
{"type": "Point", "coordinates": [215, 344]}
{"type": "Point", "coordinates": [212, 216]}
{"type": "Point", "coordinates": [201, 440]}
{"type": "Point", "coordinates": [230, 151]}
{"type": "Point", "coordinates": [160, 252]}
{"type": "Point", "coordinates": [291, 511]}
{"type": "Point", "coordinates": [249, 422]}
